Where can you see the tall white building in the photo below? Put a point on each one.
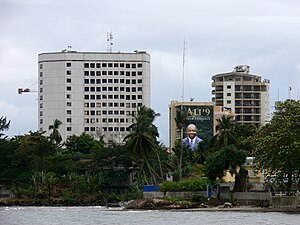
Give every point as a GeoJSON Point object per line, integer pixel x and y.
{"type": "Point", "coordinates": [245, 94]}
{"type": "Point", "coordinates": [92, 92]}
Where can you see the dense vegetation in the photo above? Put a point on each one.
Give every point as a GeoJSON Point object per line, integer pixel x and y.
{"type": "Point", "coordinates": [86, 169]}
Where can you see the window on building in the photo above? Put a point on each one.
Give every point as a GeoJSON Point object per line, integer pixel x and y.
{"type": "Point", "coordinates": [228, 101]}
{"type": "Point", "coordinates": [69, 128]}
{"type": "Point", "coordinates": [104, 65]}
{"type": "Point", "coordinates": [86, 65]}
{"type": "Point", "coordinates": [140, 81]}
{"type": "Point", "coordinates": [116, 72]}
{"type": "Point", "coordinates": [228, 94]}
{"type": "Point", "coordinates": [41, 66]}
{"type": "Point", "coordinates": [69, 120]}
{"type": "Point", "coordinates": [69, 112]}
{"type": "Point", "coordinates": [68, 96]}
{"type": "Point", "coordinates": [69, 104]}
{"type": "Point", "coordinates": [86, 73]}
{"type": "Point", "coordinates": [92, 65]}
{"type": "Point", "coordinates": [140, 73]}
{"type": "Point", "coordinates": [86, 89]}
{"type": "Point", "coordinates": [68, 64]}
{"type": "Point", "coordinates": [98, 73]}
{"type": "Point", "coordinates": [110, 72]}
{"type": "Point", "coordinates": [104, 73]}
{"type": "Point", "coordinates": [41, 74]}
{"type": "Point", "coordinates": [86, 81]}
{"type": "Point", "coordinates": [92, 73]}
{"type": "Point", "coordinates": [228, 86]}
{"type": "Point", "coordinates": [92, 89]}
{"type": "Point", "coordinates": [98, 65]}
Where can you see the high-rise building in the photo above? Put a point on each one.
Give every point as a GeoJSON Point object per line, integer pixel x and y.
{"type": "Point", "coordinates": [245, 94]}
{"type": "Point", "coordinates": [93, 92]}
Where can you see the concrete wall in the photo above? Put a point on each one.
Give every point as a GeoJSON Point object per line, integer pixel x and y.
{"type": "Point", "coordinates": [246, 195]}
{"type": "Point", "coordinates": [285, 201]}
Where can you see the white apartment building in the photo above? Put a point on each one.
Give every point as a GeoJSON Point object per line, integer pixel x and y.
{"type": "Point", "coordinates": [92, 92]}
{"type": "Point", "coordinates": [245, 94]}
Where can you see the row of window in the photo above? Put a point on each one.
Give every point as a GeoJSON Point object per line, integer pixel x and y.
{"type": "Point", "coordinates": [115, 81]}
{"type": "Point", "coordinates": [106, 112]}
{"type": "Point", "coordinates": [104, 73]}
{"type": "Point", "coordinates": [115, 89]}
{"type": "Point", "coordinates": [125, 97]}
{"type": "Point", "coordinates": [104, 65]}
{"type": "Point", "coordinates": [111, 104]}
{"type": "Point", "coordinates": [116, 65]}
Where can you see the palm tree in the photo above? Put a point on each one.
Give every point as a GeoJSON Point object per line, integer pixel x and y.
{"type": "Point", "coordinates": [55, 135]}
{"type": "Point", "coordinates": [142, 140]}
{"type": "Point", "coordinates": [4, 125]}
{"type": "Point", "coordinates": [180, 121]}
{"type": "Point", "coordinates": [225, 132]}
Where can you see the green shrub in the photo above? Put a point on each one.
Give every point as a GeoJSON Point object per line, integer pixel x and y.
{"type": "Point", "coordinates": [198, 184]}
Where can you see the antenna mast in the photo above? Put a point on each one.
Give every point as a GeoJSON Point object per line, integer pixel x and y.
{"type": "Point", "coordinates": [183, 64]}
{"type": "Point", "coordinates": [109, 41]}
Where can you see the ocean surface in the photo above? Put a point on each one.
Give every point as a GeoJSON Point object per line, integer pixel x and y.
{"type": "Point", "coordinates": [111, 216]}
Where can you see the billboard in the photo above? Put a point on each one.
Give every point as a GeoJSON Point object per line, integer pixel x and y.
{"type": "Point", "coordinates": [203, 118]}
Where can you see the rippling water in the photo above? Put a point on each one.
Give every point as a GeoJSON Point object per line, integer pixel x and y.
{"type": "Point", "coordinates": [103, 215]}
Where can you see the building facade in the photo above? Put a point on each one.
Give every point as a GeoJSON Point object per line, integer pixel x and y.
{"type": "Point", "coordinates": [245, 94]}
{"type": "Point", "coordinates": [93, 92]}
{"type": "Point", "coordinates": [203, 114]}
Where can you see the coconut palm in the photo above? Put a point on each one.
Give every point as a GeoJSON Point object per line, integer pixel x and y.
{"type": "Point", "coordinates": [225, 132]}
{"type": "Point", "coordinates": [4, 125]}
{"type": "Point", "coordinates": [55, 135]}
{"type": "Point", "coordinates": [180, 121]}
{"type": "Point", "coordinates": [142, 140]}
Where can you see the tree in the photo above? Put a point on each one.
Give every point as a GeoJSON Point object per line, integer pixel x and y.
{"type": "Point", "coordinates": [31, 155]}
{"type": "Point", "coordinates": [225, 132]}
{"type": "Point", "coordinates": [142, 141]}
{"type": "Point", "coordinates": [180, 121]}
{"type": "Point", "coordinates": [55, 135]}
{"type": "Point", "coordinates": [4, 125]}
{"type": "Point", "coordinates": [227, 159]}
{"type": "Point", "coordinates": [277, 145]}
{"type": "Point", "coordinates": [84, 143]}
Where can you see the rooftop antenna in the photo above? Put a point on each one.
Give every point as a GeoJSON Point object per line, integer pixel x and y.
{"type": "Point", "coordinates": [182, 100]}
{"type": "Point", "coordinates": [183, 64]}
{"type": "Point", "coordinates": [109, 41]}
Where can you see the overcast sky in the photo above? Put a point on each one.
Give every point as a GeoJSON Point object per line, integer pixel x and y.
{"type": "Point", "coordinates": [219, 34]}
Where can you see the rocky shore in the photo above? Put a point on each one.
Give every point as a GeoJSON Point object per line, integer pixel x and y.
{"type": "Point", "coordinates": [160, 204]}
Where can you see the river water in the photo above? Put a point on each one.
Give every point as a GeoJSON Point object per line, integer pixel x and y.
{"type": "Point", "coordinates": [103, 215]}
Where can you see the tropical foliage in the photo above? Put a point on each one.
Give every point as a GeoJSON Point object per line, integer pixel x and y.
{"type": "Point", "coordinates": [277, 145]}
